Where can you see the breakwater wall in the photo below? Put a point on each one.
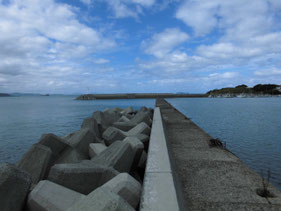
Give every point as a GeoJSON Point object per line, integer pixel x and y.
{"type": "Point", "coordinates": [136, 96]}
{"type": "Point", "coordinates": [206, 175]}
{"type": "Point", "coordinates": [99, 167]}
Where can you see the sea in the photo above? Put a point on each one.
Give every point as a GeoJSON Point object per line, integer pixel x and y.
{"type": "Point", "coordinates": [250, 127]}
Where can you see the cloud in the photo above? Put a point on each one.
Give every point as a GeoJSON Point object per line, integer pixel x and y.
{"type": "Point", "coordinates": [45, 38]}
{"type": "Point", "coordinates": [164, 42]}
{"type": "Point", "coordinates": [87, 2]}
{"type": "Point", "coordinates": [101, 61]}
{"type": "Point", "coordinates": [129, 8]}
{"type": "Point", "coordinates": [270, 72]}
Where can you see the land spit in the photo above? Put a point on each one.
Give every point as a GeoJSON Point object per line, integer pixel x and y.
{"type": "Point", "coordinates": [136, 96]}
{"type": "Point", "coordinates": [99, 167]}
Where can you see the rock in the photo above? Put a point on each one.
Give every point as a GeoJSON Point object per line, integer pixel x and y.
{"type": "Point", "coordinates": [112, 134]}
{"type": "Point", "coordinates": [37, 161]}
{"type": "Point", "coordinates": [95, 149]}
{"type": "Point", "coordinates": [102, 199]}
{"type": "Point", "coordinates": [92, 124]}
{"type": "Point", "coordinates": [137, 147]}
{"type": "Point", "coordinates": [14, 187]}
{"type": "Point", "coordinates": [141, 128]}
{"type": "Point", "coordinates": [55, 143]}
{"type": "Point", "coordinates": [141, 116]}
{"type": "Point", "coordinates": [71, 156]}
{"type": "Point", "coordinates": [81, 140]}
{"type": "Point", "coordinates": [105, 119]}
{"type": "Point", "coordinates": [81, 177]}
{"type": "Point", "coordinates": [48, 196]}
{"type": "Point", "coordinates": [125, 186]}
{"type": "Point", "coordinates": [118, 155]}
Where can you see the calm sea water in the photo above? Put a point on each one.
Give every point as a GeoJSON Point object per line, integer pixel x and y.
{"type": "Point", "coordinates": [24, 119]}
{"type": "Point", "coordinates": [251, 127]}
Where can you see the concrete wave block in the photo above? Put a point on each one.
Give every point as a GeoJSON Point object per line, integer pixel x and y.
{"type": "Point", "coordinates": [125, 186]}
{"type": "Point", "coordinates": [55, 143]}
{"type": "Point", "coordinates": [14, 187]}
{"type": "Point", "coordinates": [142, 128]}
{"type": "Point", "coordinates": [144, 139]}
{"type": "Point", "coordinates": [81, 140]}
{"type": "Point", "coordinates": [141, 116]}
{"type": "Point", "coordinates": [81, 177]}
{"type": "Point", "coordinates": [92, 124]}
{"type": "Point", "coordinates": [49, 196]}
{"type": "Point", "coordinates": [68, 136]}
{"type": "Point", "coordinates": [95, 149]}
{"type": "Point", "coordinates": [127, 111]}
{"type": "Point", "coordinates": [111, 116]}
{"type": "Point", "coordinates": [142, 160]}
{"type": "Point", "coordinates": [102, 199]}
{"type": "Point", "coordinates": [71, 155]}
{"type": "Point", "coordinates": [123, 119]}
{"type": "Point", "coordinates": [118, 155]}
{"type": "Point", "coordinates": [137, 147]}
{"type": "Point", "coordinates": [112, 134]}
{"type": "Point", "coordinates": [37, 162]}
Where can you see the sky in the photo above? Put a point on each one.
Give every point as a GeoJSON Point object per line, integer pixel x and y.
{"type": "Point", "coordinates": [138, 46]}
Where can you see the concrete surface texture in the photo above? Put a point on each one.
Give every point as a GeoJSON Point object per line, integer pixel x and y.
{"type": "Point", "coordinates": [36, 161]}
{"type": "Point", "coordinates": [125, 186]}
{"type": "Point", "coordinates": [81, 177]}
{"type": "Point", "coordinates": [102, 199]}
{"type": "Point", "coordinates": [14, 186]}
{"type": "Point", "coordinates": [49, 196]}
{"type": "Point", "coordinates": [95, 149]}
{"type": "Point", "coordinates": [158, 190]}
{"type": "Point", "coordinates": [210, 178]}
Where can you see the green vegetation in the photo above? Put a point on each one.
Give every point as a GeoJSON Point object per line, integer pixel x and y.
{"type": "Point", "coordinates": [260, 89]}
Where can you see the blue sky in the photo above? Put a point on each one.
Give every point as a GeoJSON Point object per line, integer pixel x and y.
{"type": "Point", "coordinates": [118, 46]}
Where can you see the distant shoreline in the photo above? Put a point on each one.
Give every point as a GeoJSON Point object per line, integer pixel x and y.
{"type": "Point", "coordinates": [137, 96]}
{"type": "Point", "coordinates": [4, 95]}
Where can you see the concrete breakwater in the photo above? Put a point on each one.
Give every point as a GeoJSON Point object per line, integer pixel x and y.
{"type": "Point", "coordinates": [206, 175]}
{"type": "Point", "coordinates": [136, 96]}
{"type": "Point", "coordinates": [99, 167]}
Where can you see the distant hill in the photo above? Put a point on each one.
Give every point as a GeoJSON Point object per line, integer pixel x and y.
{"type": "Point", "coordinates": [245, 91]}
{"type": "Point", "coordinates": [4, 95]}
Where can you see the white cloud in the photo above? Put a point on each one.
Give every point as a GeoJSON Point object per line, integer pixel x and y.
{"type": "Point", "coordinates": [270, 72]}
{"type": "Point", "coordinates": [87, 2]}
{"type": "Point", "coordinates": [44, 39]}
{"type": "Point", "coordinates": [164, 42]}
{"type": "Point", "coordinates": [101, 61]}
{"type": "Point", "coordinates": [129, 8]}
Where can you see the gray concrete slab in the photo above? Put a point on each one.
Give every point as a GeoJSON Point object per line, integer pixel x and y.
{"type": "Point", "coordinates": [102, 199]}
{"type": "Point", "coordinates": [158, 192]}
{"type": "Point", "coordinates": [210, 178]}
{"type": "Point", "coordinates": [95, 149]}
{"type": "Point", "coordinates": [125, 186]}
{"type": "Point", "coordinates": [14, 187]}
{"type": "Point", "coordinates": [37, 162]}
{"type": "Point", "coordinates": [81, 177]}
{"type": "Point", "coordinates": [49, 196]}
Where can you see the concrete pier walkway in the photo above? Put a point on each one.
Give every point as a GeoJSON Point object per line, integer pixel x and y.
{"type": "Point", "coordinates": [208, 177]}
